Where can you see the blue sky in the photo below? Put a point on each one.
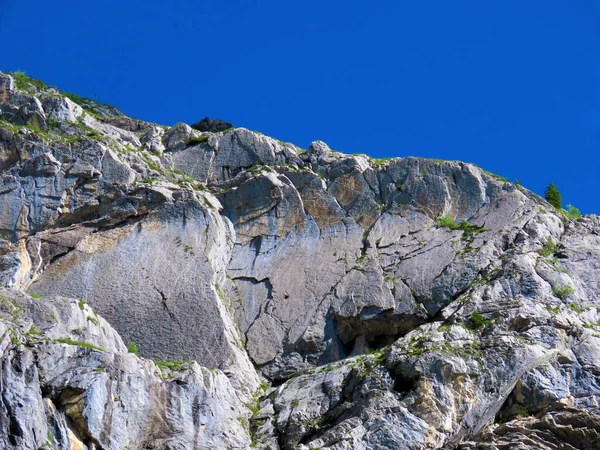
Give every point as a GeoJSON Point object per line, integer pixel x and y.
{"type": "Point", "coordinates": [512, 86]}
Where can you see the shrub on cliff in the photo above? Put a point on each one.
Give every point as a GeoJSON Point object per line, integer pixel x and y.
{"type": "Point", "coordinates": [553, 196]}
{"type": "Point", "coordinates": [211, 125]}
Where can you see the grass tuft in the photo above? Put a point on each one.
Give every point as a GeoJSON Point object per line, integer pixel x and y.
{"type": "Point", "coordinates": [79, 343]}
{"type": "Point", "coordinates": [198, 140]}
{"type": "Point", "coordinates": [173, 365]}
{"type": "Point", "coordinates": [572, 212]}
{"type": "Point", "coordinates": [23, 82]}
{"type": "Point", "coordinates": [132, 347]}
{"type": "Point", "coordinates": [548, 249]}
{"type": "Point", "coordinates": [447, 222]}
{"type": "Point", "coordinates": [478, 321]}
{"type": "Point", "coordinates": [562, 291]}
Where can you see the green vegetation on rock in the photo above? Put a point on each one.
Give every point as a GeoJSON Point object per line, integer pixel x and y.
{"type": "Point", "coordinates": [22, 81]}
{"type": "Point", "coordinates": [562, 291]}
{"type": "Point", "coordinates": [553, 196]}
{"type": "Point", "coordinates": [79, 343]}
{"type": "Point", "coordinates": [447, 222]}
{"type": "Point", "coordinates": [548, 249]}
{"type": "Point", "coordinates": [478, 321]}
{"type": "Point", "coordinates": [572, 212]}
{"type": "Point", "coordinates": [132, 347]}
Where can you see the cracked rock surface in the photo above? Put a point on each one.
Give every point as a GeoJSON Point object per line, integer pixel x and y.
{"type": "Point", "coordinates": [326, 300]}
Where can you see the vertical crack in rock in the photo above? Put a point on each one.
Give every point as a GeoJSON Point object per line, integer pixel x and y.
{"type": "Point", "coordinates": [264, 306]}
{"type": "Point", "coordinates": [165, 305]}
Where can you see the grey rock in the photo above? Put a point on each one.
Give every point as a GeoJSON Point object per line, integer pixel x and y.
{"type": "Point", "coordinates": [239, 149]}
{"type": "Point", "coordinates": [44, 164]}
{"type": "Point", "coordinates": [6, 82]}
{"type": "Point", "coordinates": [557, 429]}
{"type": "Point", "coordinates": [194, 161]}
{"type": "Point", "coordinates": [9, 149]}
{"type": "Point", "coordinates": [178, 137]}
{"type": "Point", "coordinates": [168, 319]}
{"type": "Point", "coordinates": [324, 301]}
{"type": "Point", "coordinates": [110, 131]}
{"type": "Point", "coordinates": [153, 140]}
{"type": "Point", "coordinates": [20, 108]}
{"type": "Point", "coordinates": [131, 124]}
{"type": "Point", "coordinates": [60, 108]}
{"type": "Point", "coordinates": [69, 382]}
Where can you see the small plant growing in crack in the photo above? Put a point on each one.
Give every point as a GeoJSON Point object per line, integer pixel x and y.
{"type": "Point", "coordinates": [562, 291]}
{"type": "Point", "coordinates": [548, 249]}
{"type": "Point", "coordinates": [575, 308]}
{"type": "Point", "coordinates": [79, 343]}
{"type": "Point", "coordinates": [92, 319]}
{"type": "Point", "coordinates": [447, 222]}
{"type": "Point", "coordinates": [478, 321]}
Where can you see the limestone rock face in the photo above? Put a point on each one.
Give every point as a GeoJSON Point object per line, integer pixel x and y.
{"type": "Point", "coordinates": [300, 299]}
{"type": "Point", "coordinates": [69, 382]}
{"type": "Point", "coordinates": [6, 82]}
{"type": "Point", "coordinates": [22, 109]}
{"type": "Point", "coordinates": [61, 109]}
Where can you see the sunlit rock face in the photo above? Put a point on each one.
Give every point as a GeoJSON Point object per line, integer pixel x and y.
{"type": "Point", "coordinates": [289, 298]}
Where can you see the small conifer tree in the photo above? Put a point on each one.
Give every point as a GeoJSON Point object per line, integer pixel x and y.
{"type": "Point", "coordinates": [553, 196]}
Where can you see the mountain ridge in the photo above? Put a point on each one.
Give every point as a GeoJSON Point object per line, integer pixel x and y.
{"type": "Point", "coordinates": [348, 302]}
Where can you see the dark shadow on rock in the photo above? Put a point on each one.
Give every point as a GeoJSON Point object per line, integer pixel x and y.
{"type": "Point", "coordinates": [211, 125]}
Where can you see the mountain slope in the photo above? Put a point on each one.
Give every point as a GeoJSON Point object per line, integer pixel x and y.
{"type": "Point", "coordinates": [350, 302]}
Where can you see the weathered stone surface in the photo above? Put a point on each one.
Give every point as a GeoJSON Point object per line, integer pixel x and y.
{"type": "Point", "coordinates": [20, 108]}
{"type": "Point", "coordinates": [375, 323]}
{"type": "Point", "coordinates": [178, 137]}
{"type": "Point", "coordinates": [554, 430]}
{"type": "Point", "coordinates": [194, 161]}
{"type": "Point", "coordinates": [159, 280]}
{"type": "Point", "coordinates": [69, 382]}
{"type": "Point", "coordinates": [110, 131]}
{"type": "Point", "coordinates": [152, 140]}
{"type": "Point", "coordinates": [60, 108]}
{"type": "Point", "coordinates": [6, 82]}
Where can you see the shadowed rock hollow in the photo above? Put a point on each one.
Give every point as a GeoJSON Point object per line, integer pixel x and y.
{"type": "Point", "coordinates": [328, 300]}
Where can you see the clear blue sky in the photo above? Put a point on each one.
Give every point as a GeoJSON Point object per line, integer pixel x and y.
{"type": "Point", "coordinates": [511, 85]}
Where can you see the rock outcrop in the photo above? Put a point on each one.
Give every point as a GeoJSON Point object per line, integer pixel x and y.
{"type": "Point", "coordinates": [212, 125]}
{"type": "Point", "coordinates": [327, 300]}
{"type": "Point", "coordinates": [68, 382]}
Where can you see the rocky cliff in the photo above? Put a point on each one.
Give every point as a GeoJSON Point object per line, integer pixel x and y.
{"type": "Point", "coordinates": [279, 298]}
